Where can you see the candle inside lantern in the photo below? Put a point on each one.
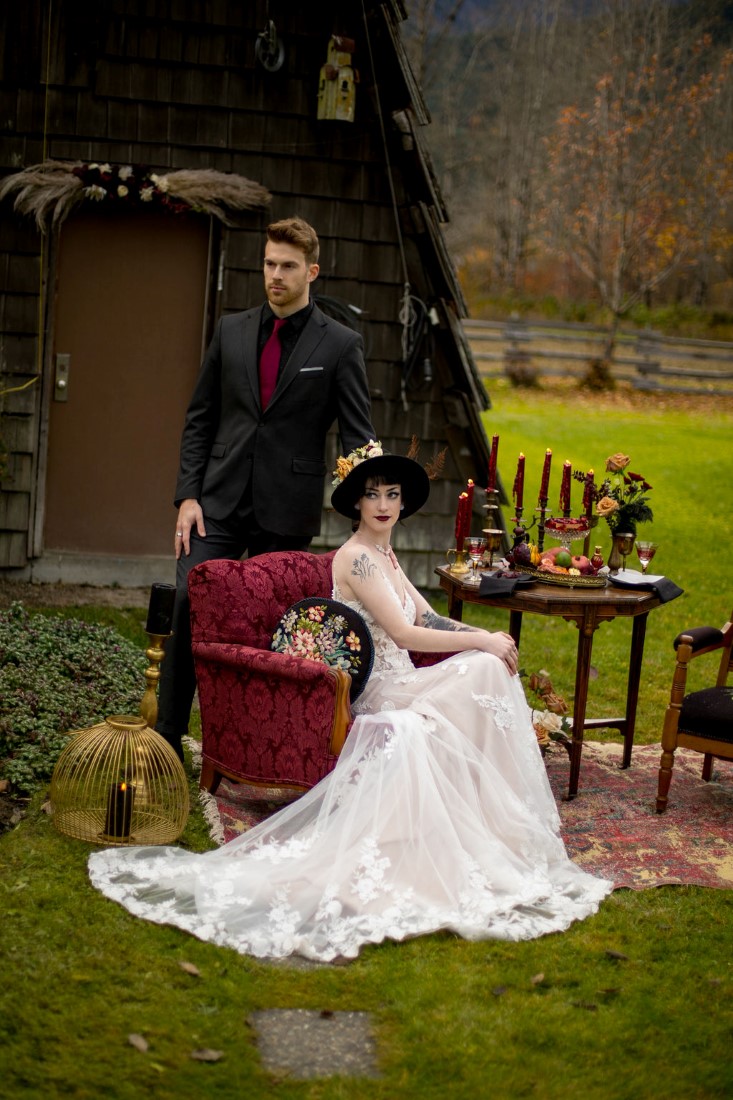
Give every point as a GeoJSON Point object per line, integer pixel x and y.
{"type": "Point", "coordinates": [545, 483]}
{"type": "Point", "coordinates": [589, 494]}
{"type": "Point", "coordinates": [492, 462]}
{"type": "Point", "coordinates": [119, 810]}
{"type": "Point", "coordinates": [518, 488]}
{"type": "Point", "coordinates": [462, 520]}
{"type": "Point", "coordinates": [160, 608]}
{"type": "Point", "coordinates": [565, 488]}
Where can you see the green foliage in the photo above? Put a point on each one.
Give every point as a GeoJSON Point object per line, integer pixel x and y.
{"type": "Point", "coordinates": [57, 675]}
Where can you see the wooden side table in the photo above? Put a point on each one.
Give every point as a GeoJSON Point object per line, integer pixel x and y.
{"type": "Point", "coordinates": [587, 608]}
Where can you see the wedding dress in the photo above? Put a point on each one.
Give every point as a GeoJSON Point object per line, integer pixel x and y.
{"type": "Point", "coordinates": [438, 815]}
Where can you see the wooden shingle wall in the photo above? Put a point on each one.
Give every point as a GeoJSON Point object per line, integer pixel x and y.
{"type": "Point", "coordinates": [176, 84]}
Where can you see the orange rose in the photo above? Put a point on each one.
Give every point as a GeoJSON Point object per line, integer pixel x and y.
{"type": "Point", "coordinates": [606, 506]}
{"type": "Point", "coordinates": [616, 463]}
{"type": "Point", "coordinates": [555, 703]}
{"type": "Point", "coordinates": [343, 468]}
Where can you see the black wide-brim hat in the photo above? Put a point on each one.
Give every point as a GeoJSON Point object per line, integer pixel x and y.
{"type": "Point", "coordinates": [414, 484]}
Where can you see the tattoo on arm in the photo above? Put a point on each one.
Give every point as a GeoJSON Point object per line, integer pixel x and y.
{"type": "Point", "coordinates": [434, 621]}
{"type": "Point", "coordinates": [362, 568]}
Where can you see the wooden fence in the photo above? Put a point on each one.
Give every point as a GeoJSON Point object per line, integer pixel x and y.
{"type": "Point", "coordinates": [648, 360]}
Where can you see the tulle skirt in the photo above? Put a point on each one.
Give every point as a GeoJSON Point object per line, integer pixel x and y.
{"type": "Point", "coordinates": [438, 815]}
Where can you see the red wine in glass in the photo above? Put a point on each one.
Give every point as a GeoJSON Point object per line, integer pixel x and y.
{"type": "Point", "coordinates": [645, 551]}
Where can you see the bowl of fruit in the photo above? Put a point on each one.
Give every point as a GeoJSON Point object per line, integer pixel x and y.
{"type": "Point", "coordinates": [557, 566]}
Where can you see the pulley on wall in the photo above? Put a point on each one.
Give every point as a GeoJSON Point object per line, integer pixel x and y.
{"type": "Point", "coordinates": [269, 48]}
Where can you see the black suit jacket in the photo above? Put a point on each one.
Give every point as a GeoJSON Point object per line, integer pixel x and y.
{"type": "Point", "coordinates": [228, 440]}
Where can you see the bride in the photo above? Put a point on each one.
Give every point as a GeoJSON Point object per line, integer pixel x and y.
{"type": "Point", "coordinates": [438, 814]}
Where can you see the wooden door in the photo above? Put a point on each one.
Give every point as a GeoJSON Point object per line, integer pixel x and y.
{"type": "Point", "coordinates": [129, 315]}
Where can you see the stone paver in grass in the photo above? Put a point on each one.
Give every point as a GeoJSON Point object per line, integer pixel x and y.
{"type": "Point", "coordinates": [307, 1044]}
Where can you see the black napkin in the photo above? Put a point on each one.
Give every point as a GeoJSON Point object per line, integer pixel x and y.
{"type": "Point", "coordinates": [502, 586]}
{"type": "Point", "coordinates": [662, 587]}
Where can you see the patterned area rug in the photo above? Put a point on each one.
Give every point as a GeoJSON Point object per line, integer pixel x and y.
{"type": "Point", "coordinates": [611, 828]}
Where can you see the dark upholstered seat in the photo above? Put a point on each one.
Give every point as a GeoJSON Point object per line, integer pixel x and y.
{"type": "Point", "coordinates": [268, 719]}
{"type": "Point", "coordinates": [701, 720]}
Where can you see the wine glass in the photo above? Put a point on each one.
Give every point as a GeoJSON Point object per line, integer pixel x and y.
{"type": "Point", "coordinates": [645, 551]}
{"type": "Point", "coordinates": [476, 547]}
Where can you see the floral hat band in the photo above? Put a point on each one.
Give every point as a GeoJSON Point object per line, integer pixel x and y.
{"type": "Point", "coordinates": [369, 461]}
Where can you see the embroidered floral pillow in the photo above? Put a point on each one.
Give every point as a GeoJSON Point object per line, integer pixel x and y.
{"type": "Point", "coordinates": [324, 630]}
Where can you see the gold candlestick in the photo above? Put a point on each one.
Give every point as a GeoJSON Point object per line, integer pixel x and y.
{"type": "Point", "coordinates": [155, 653]}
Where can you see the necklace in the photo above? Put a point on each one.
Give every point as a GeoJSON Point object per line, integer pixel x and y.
{"type": "Point", "coordinates": [386, 551]}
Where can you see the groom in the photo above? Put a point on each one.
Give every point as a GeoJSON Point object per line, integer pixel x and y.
{"type": "Point", "coordinates": [273, 381]}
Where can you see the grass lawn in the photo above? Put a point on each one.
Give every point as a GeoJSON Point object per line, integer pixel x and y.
{"type": "Point", "coordinates": [633, 1002]}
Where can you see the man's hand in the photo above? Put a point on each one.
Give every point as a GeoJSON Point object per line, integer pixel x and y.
{"type": "Point", "coordinates": [189, 515]}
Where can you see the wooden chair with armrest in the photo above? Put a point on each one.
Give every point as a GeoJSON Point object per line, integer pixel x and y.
{"type": "Point", "coordinates": [699, 720]}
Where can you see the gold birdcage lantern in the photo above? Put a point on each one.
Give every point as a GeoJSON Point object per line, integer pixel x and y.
{"type": "Point", "coordinates": [120, 783]}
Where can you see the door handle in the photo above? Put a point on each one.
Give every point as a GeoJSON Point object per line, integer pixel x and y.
{"type": "Point", "coordinates": [61, 377]}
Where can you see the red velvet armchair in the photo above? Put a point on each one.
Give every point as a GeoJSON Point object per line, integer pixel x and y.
{"type": "Point", "coordinates": [267, 719]}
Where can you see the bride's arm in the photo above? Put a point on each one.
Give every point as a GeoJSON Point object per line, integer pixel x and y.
{"type": "Point", "coordinates": [499, 642]}
{"type": "Point", "coordinates": [358, 572]}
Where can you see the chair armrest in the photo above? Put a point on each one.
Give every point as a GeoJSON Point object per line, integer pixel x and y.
{"type": "Point", "coordinates": [238, 689]}
{"type": "Point", "coordinates": [701, 639]}
{"type": "Point", "coordinates": [262, 662]}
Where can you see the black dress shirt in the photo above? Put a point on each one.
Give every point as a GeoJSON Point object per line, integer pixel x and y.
{"type": "Point", "coordinates": [289, 332]}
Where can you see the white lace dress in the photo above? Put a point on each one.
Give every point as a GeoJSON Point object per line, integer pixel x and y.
{"type": "Point", "coordinates": [438, 815]}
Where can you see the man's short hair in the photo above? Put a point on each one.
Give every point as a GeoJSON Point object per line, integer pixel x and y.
{"type": "Point", "coordinates": [299, 234]}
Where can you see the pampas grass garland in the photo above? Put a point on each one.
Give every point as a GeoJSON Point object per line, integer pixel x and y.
{"type": "Point", "coordinates": [49, 192]}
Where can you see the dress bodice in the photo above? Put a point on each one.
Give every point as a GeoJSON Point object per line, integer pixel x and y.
{"type": "Point", "coordinates": [388, 657]}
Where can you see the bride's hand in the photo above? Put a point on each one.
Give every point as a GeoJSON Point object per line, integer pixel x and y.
{"type": "Point", "coordinates": [502, 646]}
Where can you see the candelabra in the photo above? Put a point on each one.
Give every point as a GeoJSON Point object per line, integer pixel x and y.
{"type": "Point", "coordinates": [541, 512]}
{"type": "Point", "coordinates": [493, 531]}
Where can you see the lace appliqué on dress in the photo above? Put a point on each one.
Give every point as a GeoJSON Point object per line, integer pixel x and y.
{"type": "Point", "coordinates": [502, 710]}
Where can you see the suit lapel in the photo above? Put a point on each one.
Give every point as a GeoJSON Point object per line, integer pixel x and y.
{"type": "Point", "coordinates": [250, 330]}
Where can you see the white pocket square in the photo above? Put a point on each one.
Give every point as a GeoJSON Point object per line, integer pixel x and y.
{"type": "Point", "coordinates": [310, 370]}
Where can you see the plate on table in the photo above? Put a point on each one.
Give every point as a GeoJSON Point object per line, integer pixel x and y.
{"type": "Point", "coordinates": [628, 577]}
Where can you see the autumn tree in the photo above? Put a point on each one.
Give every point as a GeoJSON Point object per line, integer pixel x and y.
{"type": "Point", "coordinates": [638, 179]}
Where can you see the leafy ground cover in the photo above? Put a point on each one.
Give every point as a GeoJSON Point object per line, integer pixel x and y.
{"type": "Point", "coordinates": [631, 1001]}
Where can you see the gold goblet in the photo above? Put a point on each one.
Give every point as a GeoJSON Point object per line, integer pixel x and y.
{"type": "Point", "coordinates": [476, 547]}
{"type": "Point", "coordinates": [493, 537]}
{"type": "Point", "coordinates": [625, 545]}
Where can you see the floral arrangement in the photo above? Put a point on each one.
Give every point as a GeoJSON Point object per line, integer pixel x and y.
{"type": "Point", "coordinates": [51, 190]}
{"type": "Point", "coordinates": [317, 635]}
{"type": "Point", "coordinates": [621, 498]}
{"type": "Point", "coordinates": [551, 722]}
{"type": "Point", "coordinates": [346, 463]}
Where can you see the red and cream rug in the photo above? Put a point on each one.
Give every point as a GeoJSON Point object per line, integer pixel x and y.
{"type": "Point", "coordinates": [611, 828]}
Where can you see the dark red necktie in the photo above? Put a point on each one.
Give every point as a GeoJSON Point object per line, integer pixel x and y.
{"type": "Point", "coordinates": [270, 363]}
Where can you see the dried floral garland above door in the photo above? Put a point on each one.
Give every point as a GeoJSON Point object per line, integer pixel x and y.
{"type": "Point", "coordinates": [50, 191]}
